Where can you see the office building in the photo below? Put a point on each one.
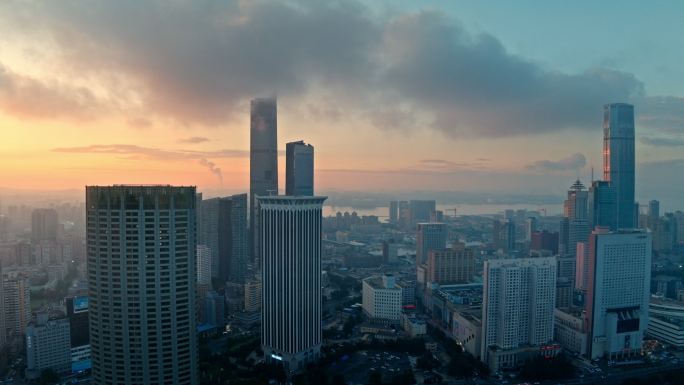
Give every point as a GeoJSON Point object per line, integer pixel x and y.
{"type": "Point", "coordinates": [3, 328]}
{"type": "Point", "coordinates": [44, 225]}
{"type": "Point", "coordinates": [530, 228]}
{"type": "Point", "coordinates": [666, 321]}
{"type": "Point", "coordinates": [431, 236]}
{"type": "Point", "coordinates": [449, 266]}
{"type": "Point", "coordinates": [253, 295]}
{"type": "Point", "coordinates": [618, 292]}
{"type": "Point", "coordinates": [390, 252]}
{"type": "Point", "coordinates": [421, 211]}
{"type": "Point", "coordinates": [517, 310]}
{"type": "Point", "coordinates": [382, 299]}
{"type": "Point", "coordinates": [394, 212]}
{"type": "Point", "coordinates": [213, 310]}
{"type": "Point", "coordinates": [575, 224]}
{"type": "Point", "coordinates": [77, 315]}
{"type": "Point", "coordinates": [203, 266]}
{"type": "Point", "coordinates": [602, 205]}
{"type": "Point", "coordinates": [290, 233]}
{"type": "Point", "coordinates": [142, 284]}
{"type": "Point", "coordinates": [544, 240]}
{"type": "Point", "coordinates": [17, 304]}
{"type": "Point", "coordinates": [299, 169]}
{"type": "Point", "coordinates": [619, 160]}
{"type": "Point", "coordinates": [224, 232]}
{"type": "Point", "coordinates": [404, 214]}
{"type": "Point", "coordinates": [48, 346]}
{"type": "Point", "coordinates": [653, 210]}
{"type": "Point", "coordinates": [263, 160]}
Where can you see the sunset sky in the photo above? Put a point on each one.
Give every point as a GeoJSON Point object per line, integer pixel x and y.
{"type": "Point", "coordinates": [394, 95]}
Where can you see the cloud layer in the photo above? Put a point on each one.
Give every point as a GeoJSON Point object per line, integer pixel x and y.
{"type": "Point", "coordinates": [198, 62]}
{"type": "Point", "coordinates": [573, 162]}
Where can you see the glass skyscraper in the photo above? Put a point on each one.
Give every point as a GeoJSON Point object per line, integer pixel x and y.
{"type": "Point", "coordinates": [263, 160]}
{"type": "Point", "coordinates": [299, 169]}
{"type": "Point", "coordinates": [619, 160]}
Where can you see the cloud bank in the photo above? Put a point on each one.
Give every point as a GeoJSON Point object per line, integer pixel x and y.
{"type": "Point", "coordinates": [199, 62]}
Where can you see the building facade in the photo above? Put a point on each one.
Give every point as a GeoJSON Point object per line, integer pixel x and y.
{"type": "Point", "coordinates": [382, 299]}
{"type": "Point", "coordinates": [618, 292]}
{"type": "Point", "coordinates": [142, 284]}
{"type": "Point", "coordinates": [431, 236]}
{"type": "Point", "coordinates": [619, 160]}
{"type": "Point", "coordinates": [263, 160]}
{"type": "Point", "coordinates": [517, 309]}
{"type": "Point", "coordinates": [454, 265]}
{"type": "Point", "coordinates": [48, 346]}
{"type": "Point", "coordinates": [224, 232]}
{"type": "Point", "coordinates": [299, 169]}
{"type": "Point", "coordinates": [290, 233]}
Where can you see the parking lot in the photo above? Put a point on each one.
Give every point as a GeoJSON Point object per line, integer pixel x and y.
{"type": "Point", "coordinates": [356, 367]}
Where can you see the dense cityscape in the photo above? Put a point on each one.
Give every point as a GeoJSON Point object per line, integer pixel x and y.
{"type": "Point", "coordinates": [156, 284]}
{"type": "Point", "coordinates": [341, 193]}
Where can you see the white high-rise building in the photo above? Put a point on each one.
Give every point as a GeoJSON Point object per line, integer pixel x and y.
{"type": "Point", "coordinates": [618, 292]}
{"type": "Point", "coordinates": [290, 236]}
{"type": "Point", "coordinates": [517, 309]}
{"type": "Point", "coordinates": [382, 299]}
{"type": "Point", "coordinates": [142, 284]}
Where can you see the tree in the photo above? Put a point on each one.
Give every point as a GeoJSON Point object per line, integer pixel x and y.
{"type": "Point", "coordinates": [375, 378]}
{"type": "Point", "coordinates": [338, 379]}
{"type": "Point", "coordinates": [48, 377]}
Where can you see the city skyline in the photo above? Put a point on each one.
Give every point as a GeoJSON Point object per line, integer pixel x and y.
{"type": "Point", "coordinates": [198, 134]}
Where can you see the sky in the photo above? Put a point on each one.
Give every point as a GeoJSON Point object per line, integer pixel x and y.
{"type": "Point", "coordinates": [394, 95]}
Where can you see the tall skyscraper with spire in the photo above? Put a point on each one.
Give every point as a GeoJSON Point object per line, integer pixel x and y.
{"type": "Point", "coordinates": [263, 160]}
{"type": "Point", "coordinates": [619, 160]}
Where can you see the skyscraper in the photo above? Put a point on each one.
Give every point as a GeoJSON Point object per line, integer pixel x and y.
{"type": "Point", "coordinates": [431, 236]}
{"type": "Point", "coordinates": [290, 233]}
{"type": "Point", "coordinates": [394, 212]}
{"type": "Point", "coordinates": [421, 210]}
{"type": "Point", "coordinates": [619, 160]}
{"type": "Point", "coordinates": [601, 205]}
{"type": "Point", "coordinates": [618, 292]}
{"type": "Point", "coordinates": [575, 226]}
{"type": "Point", "coordinates": [263, 160]}
{"type": "Point", "coordinates": [224, 232]}
{"type": "Point", "coordinates": [44, 225]}
{"type": "Point", "coordinates": [141, 282]}
{"type": "Point", "coordinates": [3, 328]}
{"type": "Point", "coordinates": [517, 309]}
{"type": "Point", "coordinates": [448, 266]}
{"type": "Point", "coordinates": [299, 169]}
{"type": "Point", "coordinates": [17, 303]}
{"type": "Point", "coordinates": [48, 346]}
{"type": "Point", "coordinates": [653, 210]}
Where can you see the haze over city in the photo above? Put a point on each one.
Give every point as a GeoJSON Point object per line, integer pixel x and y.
{"type": "Point", "coordinates": [457, 96]}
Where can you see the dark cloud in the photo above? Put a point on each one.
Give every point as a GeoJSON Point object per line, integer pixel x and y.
{"type": "Point", "coordinates": [199, 62]}
{"type": "Point", "coordinates": [573, 162]}
{"type": "Point", "coordinates": [194, 140]}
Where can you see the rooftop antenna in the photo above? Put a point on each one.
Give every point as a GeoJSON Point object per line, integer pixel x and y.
{"type": "Point", "coordinates": [592, 174]}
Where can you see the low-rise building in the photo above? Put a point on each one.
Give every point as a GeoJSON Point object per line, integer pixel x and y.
{"type": "Point", "coordinates": [666, 321]}
{"type": "Point", "coordinates": [48, 346]}
{"type": "Point", "coordinates": [382, 299]}
{"type": "Point", "coordinates": [570, 329]}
